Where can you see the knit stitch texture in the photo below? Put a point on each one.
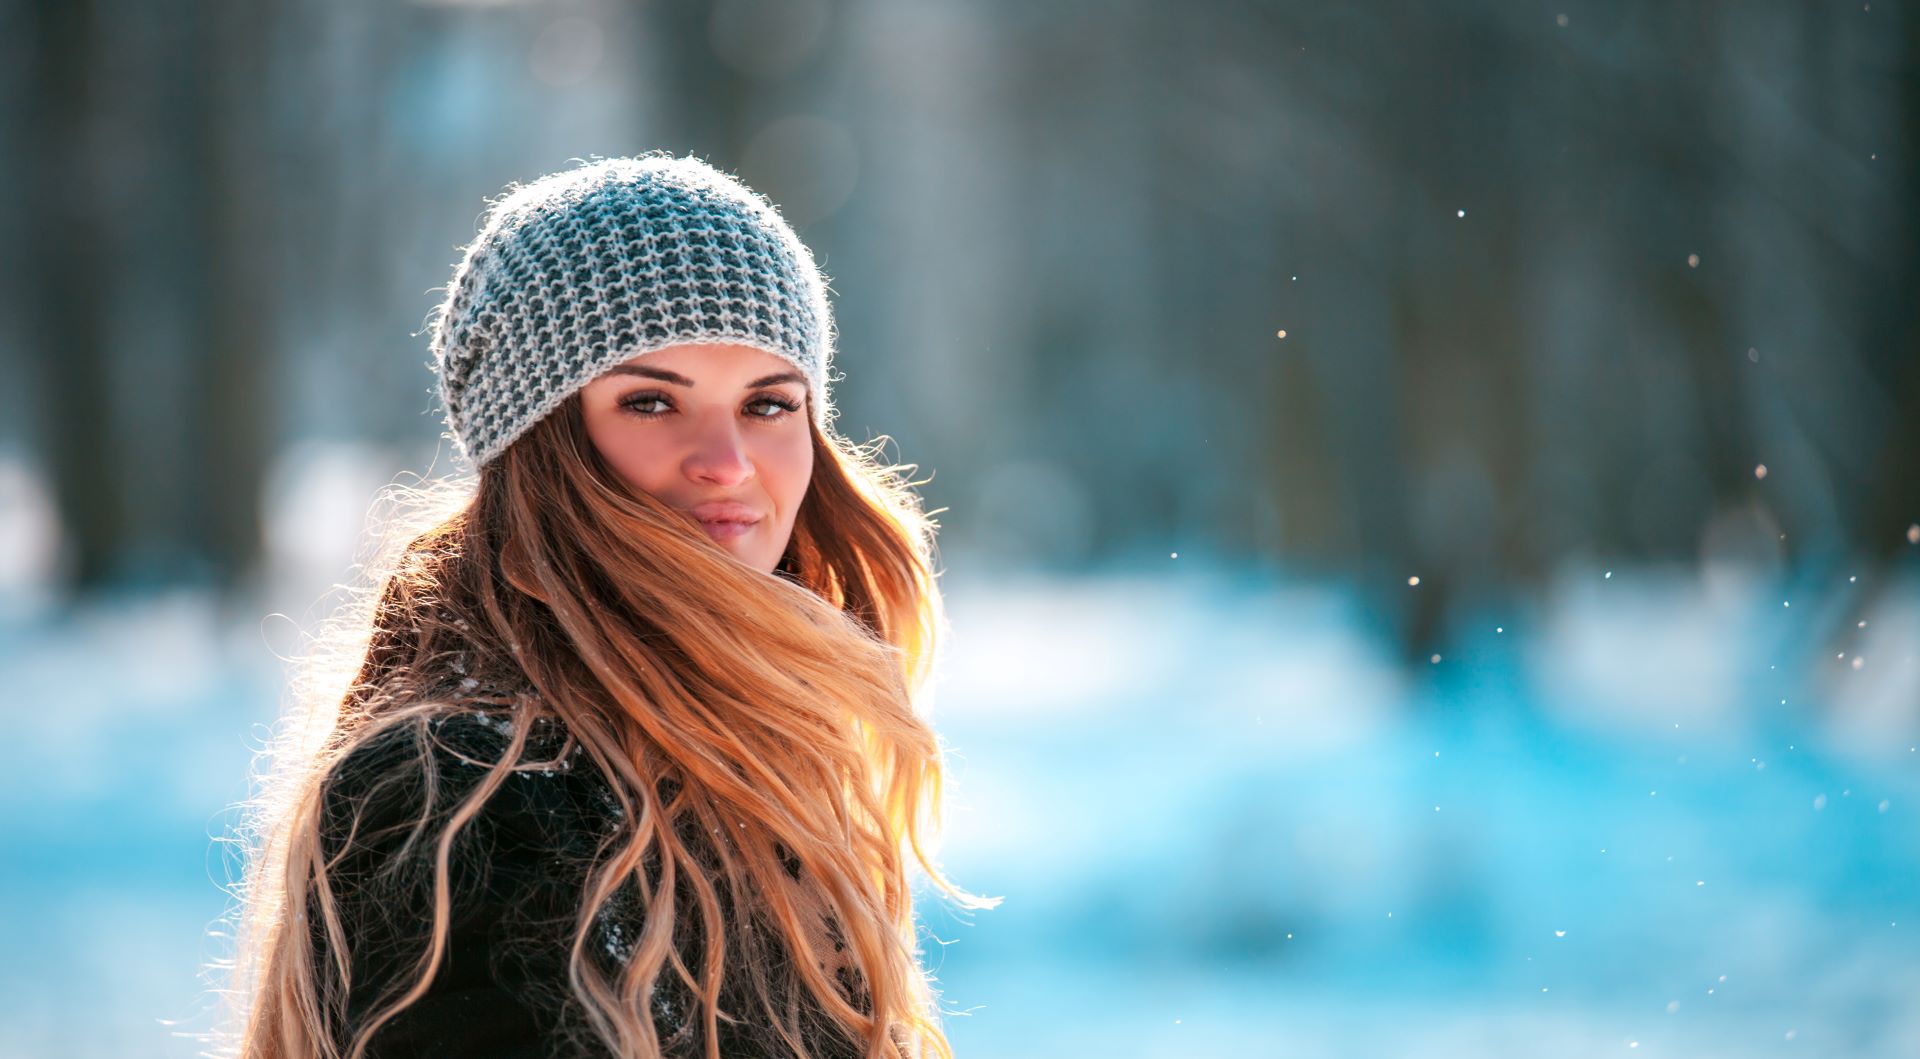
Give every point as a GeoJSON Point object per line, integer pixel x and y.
{"type": "Point", "coordinates": [589, 267]}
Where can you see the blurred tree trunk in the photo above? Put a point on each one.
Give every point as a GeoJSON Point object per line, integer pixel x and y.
{"type": "Point", "coordinates": [709, 105]}
{"type": "Point", "coordinates": [70, 288]}
{"type": "Point", "coordinates": [1893, 332]}
{"type": "Point", "coordinates": [225, 428]}
{"type": "Point", "coordinates": [143, 180]}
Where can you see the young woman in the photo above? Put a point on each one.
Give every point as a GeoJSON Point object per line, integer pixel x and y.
{"type": "Point", "coordinates": [631, 765]}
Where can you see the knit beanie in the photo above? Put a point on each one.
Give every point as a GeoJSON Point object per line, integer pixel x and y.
{"type": "Point", "coordinates": [585, 268]}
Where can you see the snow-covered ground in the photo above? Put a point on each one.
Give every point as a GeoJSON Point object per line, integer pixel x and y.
{"type": "Point", "coordinates": [1224, 818]}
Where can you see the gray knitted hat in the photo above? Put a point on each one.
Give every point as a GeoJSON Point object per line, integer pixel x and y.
{"type": "Point", "coordinates": [588, 267]}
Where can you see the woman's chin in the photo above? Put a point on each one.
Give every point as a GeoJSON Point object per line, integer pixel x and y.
{"type": "Point", "coordinates": [746, 549]}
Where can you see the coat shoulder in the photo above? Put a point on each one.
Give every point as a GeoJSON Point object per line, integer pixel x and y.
{"type": "Point", "coordinates": [515, 874]}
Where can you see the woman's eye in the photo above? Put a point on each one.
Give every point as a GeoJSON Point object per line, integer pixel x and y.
{"type": "Point", "coordinates": [781, 406]}
{"type": "Point", "coordinates": [640, 403]}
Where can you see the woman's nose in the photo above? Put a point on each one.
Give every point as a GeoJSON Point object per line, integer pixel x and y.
{"type": "Point", "coordinates": [719, 456]}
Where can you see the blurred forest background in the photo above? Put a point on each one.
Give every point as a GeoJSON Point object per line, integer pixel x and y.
{"type": "Point", "coordinates": [1547, 289]}
{"type": "Point", "coordinates": [1290, 298]}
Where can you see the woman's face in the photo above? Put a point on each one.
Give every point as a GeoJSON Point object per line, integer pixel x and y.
{"type": "Point", "coordinates": [716, 429]}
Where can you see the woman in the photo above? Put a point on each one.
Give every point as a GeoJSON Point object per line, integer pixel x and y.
{"type": "Point", "coordinates": [631, 764]}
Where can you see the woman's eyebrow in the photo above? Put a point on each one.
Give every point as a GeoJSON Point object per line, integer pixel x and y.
{"type": "Point", "coordinates": [681, 380]}
{"type": "Point", "coordinates": [775, 379]}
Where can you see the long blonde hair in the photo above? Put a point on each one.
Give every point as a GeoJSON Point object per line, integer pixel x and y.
{"type": "Point", "coordinates": [784, 706]}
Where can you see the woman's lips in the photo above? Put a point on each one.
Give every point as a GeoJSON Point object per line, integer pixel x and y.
{"type": "Point", "coordinates": [726, 530]}
{"type": "Point", "coordinates": [725, 519]}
